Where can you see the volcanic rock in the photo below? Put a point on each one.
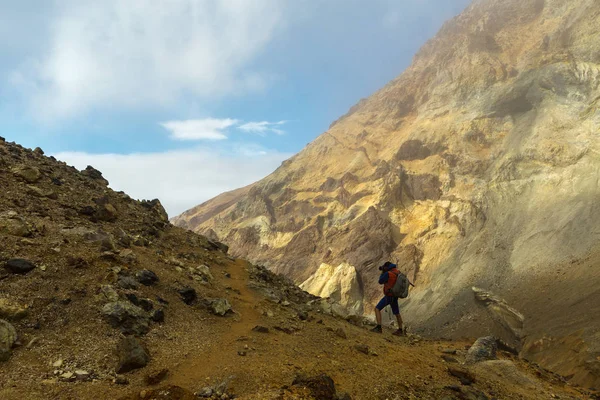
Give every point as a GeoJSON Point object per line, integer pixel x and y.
{"type": "Point", "coordinates": [8, 337]}
{"type": "Point", "coordinates": [130, 319]}
{"type": "Point", "coordinates": [19, 266]}
{"type": "Point", "coordinates": [132, 355]}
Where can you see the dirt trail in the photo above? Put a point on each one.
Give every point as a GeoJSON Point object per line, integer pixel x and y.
{"type": "Point", "coordinates": [222, 356]}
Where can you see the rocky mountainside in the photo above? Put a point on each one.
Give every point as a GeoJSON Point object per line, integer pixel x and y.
{"type": "Point", "coordinates": [100, 297]}
{"type": "Point", "coordinates": [477, 167]}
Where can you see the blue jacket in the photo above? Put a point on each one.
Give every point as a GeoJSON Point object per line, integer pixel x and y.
{"type": "Point", "coordinates": [383, 278]}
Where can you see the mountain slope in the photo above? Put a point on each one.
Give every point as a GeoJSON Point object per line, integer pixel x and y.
{"type": "Point", "coordinates": [101, 298]}
{"type": "Point", "coordinates": [478, 166]}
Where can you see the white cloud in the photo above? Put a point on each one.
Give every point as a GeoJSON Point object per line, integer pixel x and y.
{"type": "Point", "coordinates": [263, 127]}
{"type": "Point", "coordinates": [199, 129]}
{"type": "Point", "coordinates": [139, 53]}
{"type": "Point", "coordinates": [181, 179]}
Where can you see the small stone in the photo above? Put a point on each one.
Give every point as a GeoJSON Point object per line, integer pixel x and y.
{"type": "Point", "coordinates": [463, 375]}
{"type": "Point", "coordinates": [302, 315]}
{"type": "Point", "coordinates": [156, 377]}
{"type": "Point", "coordinates": [340, 333]}
{"type": "Point", "coordinates": [109, 293]}
{"type": "Point", "coordinates": [146, 277]}
{"type": "Point", "coordinates": [145, 304]}
{"type": "Point", "coordinates": [82, 375]}
{"type": "Point", "coordinates": [362, 348]}
{"type": "Point", "coordinates": [206, 392]}
{"type": "Point", "coordinates": [449, 359]}
{"type": "Point", "coordinates": [32, 342]}
{"type": "Point", "coordinates": [11, 311]}
{"type": "Point", "coordinates": [188, 295]}
{"type": "Point", "coordinates": [449, 351]}
{"type": "Point", "coordinates": [129, 257]}
{"type": "Point", "coordinates": [38, 151]}
{"type": "Point", "coordinates": [58, 363]}
{"type": "Point", "coordinates": [320, 386]}
{"type": "Point", "coordinates": [121, 380]}
{"type": "Point", "coordinates": [285, 303]}
{"type": "Point", "coordinates": [204, 272]}
{"type": "Point", "coordinates": [260, 329]}
{"type": "Point", "coordinates": [19, 266]}
{"type": "Point", "coordinates": [220, 306]}
{"type": "Point", "coordinates": [242, 353]}
{"type": "Point", "coordinates": [158, 316]}
{"type": "Point", "coordinates": [68, 376]}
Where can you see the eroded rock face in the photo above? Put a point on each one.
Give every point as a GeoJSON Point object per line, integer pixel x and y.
{"type": "Point", "coordinates": [339, 283]}
{"type": "Point", "coordinates": [475, 167]}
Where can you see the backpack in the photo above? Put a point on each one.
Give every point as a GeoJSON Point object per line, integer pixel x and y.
{"type": "Point", "coordinates": [400, 288]}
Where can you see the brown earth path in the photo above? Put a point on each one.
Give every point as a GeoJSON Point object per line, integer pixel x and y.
{"type": "Point", "coordinates": [219, 356]}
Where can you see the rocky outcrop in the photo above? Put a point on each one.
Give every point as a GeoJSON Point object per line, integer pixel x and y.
{"type": "Point", "coordinates": [475, 167]}
{"type": "Point", "coordinates": [338, 283]}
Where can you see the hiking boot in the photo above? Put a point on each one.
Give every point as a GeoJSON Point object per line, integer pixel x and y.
{"type": "Point", "coordinates": [377, 329]}
{"type": "Point", "coordinates": [399, 332]}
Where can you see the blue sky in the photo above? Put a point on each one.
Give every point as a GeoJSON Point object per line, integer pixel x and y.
{"type": "Point", "coordinates": [182, 100]}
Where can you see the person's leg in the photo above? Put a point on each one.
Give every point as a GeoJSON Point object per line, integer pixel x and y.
{"type": "Point", "coordinates": [400, 323]}
{"type": "Point", "coordinates": [380, 306]}
{"type": "Point", "coordinates": [378, 316]}
{"type": "Point", "coordinates": [396, 311]}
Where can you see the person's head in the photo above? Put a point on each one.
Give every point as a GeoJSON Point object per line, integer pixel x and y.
{"type": "Point", "coordinates": [387, 266]}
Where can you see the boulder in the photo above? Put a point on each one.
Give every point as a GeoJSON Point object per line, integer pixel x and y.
{"type": "Point", "coordinates": [130, 319]}
{"type": "Point", "coordinates": [106, 212]}
{"type": "Point", "coordinates": [127, 282]}
{"type": "Point", "coordinates": [39, 192]}
{"type": "Point", "coordinates": [220, 306]}
{"type": "Point", "coordinates": [483, 349]}
{"type": "Point", "coordinates": [158, 208]}
{"type": "Point", "coordinates": [12, 224]}
{"type": "Point", "coordinates": [93, 173]}
{"type": "Point", "coordinates": [8, 337]}
{"type": "Point", "coordinates": [19, 266]}
{"type": "Point", "coordinates": [132, 355]}
{"type": "Point", "coordinates": [27, 173]}
{"type": "Point", "coordinates": [201, 273]}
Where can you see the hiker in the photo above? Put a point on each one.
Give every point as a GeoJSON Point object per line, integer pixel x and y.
{"type": "Point", "coordinates": [388, 278]}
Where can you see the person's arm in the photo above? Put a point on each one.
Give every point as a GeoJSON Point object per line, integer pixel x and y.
{"type": "Point", "coordinates": [384, 278]}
